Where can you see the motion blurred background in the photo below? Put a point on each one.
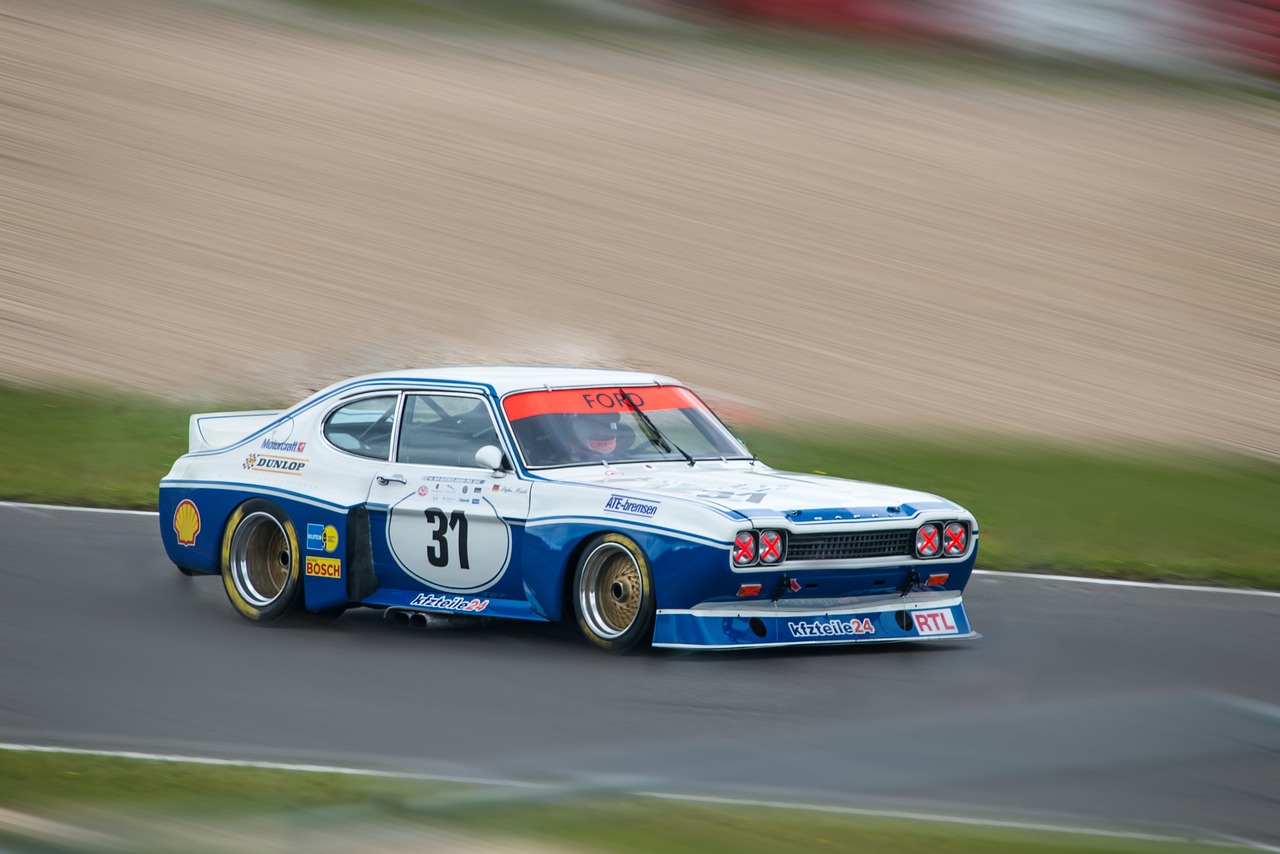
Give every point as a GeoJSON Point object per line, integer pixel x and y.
{"type": "Point", "coordinates": [1048, 216]}
{"type": "Point", "coordinates": [1055, 219]}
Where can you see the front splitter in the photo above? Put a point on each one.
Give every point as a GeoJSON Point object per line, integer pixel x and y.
{"type": "Point", "coordinates": [920, 616]}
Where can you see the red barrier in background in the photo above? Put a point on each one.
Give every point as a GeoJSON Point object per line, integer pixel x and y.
{"type": "Point", "coordinates": [1154, 33]}
{"type": "Point", "coordinates": [903, 18]}
{"type": "Point", "coordinates": [1244, 32]}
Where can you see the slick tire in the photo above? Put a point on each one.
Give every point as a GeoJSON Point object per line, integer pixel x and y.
{"type": "Point", "coordinates": [613, 595]}
{"type": "Point", "coordinates": [261, 562]}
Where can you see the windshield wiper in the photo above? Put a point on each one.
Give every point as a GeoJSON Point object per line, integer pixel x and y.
{"type": "Point", "coordinates": [655, 435]}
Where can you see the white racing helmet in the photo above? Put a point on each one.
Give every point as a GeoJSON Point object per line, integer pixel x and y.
{"type": "Point", "coordinates": [597, 433]}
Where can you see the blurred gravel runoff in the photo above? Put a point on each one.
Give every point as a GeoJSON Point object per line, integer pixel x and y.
{"type": "Point", "coordinates": [201, 204]}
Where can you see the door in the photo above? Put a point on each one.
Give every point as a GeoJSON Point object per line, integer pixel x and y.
{"type": "Point", "coordinates": [449, 524]}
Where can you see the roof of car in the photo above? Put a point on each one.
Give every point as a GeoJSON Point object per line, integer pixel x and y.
{"type": "Point", "coordinates": [508, 378]}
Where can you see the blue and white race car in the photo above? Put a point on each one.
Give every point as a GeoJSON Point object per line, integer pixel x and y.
{"type": "Point", "coordinates": [614, 498]}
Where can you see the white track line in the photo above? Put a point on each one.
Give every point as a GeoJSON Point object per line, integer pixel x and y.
{"type": "Point", "coordinates": [703, 799]}
{"type": "Point", "coordinates": [269, 766]}
{"type": "Point", "coordinates": [1116, 582]}
{"type": "Point", "coordinates": [19, 505]}
{"type": "Point", "coordinates": [1150, 585]}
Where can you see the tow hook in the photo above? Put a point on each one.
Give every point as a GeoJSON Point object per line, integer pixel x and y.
{"type": "Point", "coordinates": [909, 583]}
{"type": "Point", "coordinates": [780, 588]}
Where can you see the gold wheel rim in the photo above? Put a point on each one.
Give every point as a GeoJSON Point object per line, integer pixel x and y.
{"type": "Point", "coordinates": [619, 592]}
{"type": "Point", "coordinates": [612, 590]}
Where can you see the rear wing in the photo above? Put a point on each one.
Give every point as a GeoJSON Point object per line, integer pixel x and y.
{"type": "Point", "coordinates": [210, 430]}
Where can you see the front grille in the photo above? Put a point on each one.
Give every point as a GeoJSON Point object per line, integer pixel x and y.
{"type": "Point", "coordinates": [850, 546]}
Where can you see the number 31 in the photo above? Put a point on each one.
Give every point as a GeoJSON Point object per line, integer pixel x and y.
{"type": "Point", "coordinates": [438, 552]}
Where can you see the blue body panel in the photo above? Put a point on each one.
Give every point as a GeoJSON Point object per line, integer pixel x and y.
{"type": "Point", "coordinates": [215, 505]}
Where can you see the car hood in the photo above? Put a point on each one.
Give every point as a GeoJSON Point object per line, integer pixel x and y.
{"type": "Point", "coordinates": [759, 490]}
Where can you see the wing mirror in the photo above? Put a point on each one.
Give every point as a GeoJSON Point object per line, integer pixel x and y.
{"type": "Point", "coordinates": [491, 457]}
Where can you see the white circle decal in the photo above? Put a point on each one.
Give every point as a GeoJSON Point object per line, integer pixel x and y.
{"type": "Point", "coordinates": [461, 548]}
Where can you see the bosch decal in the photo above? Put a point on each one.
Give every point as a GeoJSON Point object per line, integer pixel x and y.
{"type": "Point", "coordinates": [830, 628]}
{"type": "Point", "coordinates": [935, 622]}
{"type": "Point", "coordinates": [324, 567]}
{"type": "Point", "coordinates": [630, 506]}
{"type": "Point", "coordinates": [321, 538]}
{"type": "Point", "coordinates": [448, 603]}
{"type": "Point", "coordinates": [186, 522]}
{"type": "Point", "coordinates": [278, 465]}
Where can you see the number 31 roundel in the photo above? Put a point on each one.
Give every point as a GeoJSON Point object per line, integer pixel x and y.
{"type": "Point", "coordinates": [462, 549]}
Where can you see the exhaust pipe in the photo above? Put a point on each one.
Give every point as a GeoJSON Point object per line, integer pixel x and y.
{"type": "Point", "coordinates": [406, 619]}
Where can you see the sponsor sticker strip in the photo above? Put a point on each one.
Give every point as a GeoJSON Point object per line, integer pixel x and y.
{"type": "Point", "coordinates": [276, 465]}
{"type": "Point", "coordinates": [321, 538]}
{"type": "Point", "coordinates": [284, 447]}
{"type": "Point", "coordinates": [631, 506]}
{"type": "Point", "coordinates": [829, 628]}
{"type": "Point", "coordinates": [448, 603]}
{"type": "Point", "coordinates": [186, 522]}
{"type": "Point", "coordinates": [324, 567]}
{"type": "Point", "coordinates": [939, 622]}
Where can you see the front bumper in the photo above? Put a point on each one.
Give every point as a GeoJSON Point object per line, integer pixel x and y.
{"type": "Point", "coordinates": [921, 616]}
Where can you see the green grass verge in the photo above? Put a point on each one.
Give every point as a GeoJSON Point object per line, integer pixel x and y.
{"type": "Point", "coordinates": [85, 448]}
{"type": "Point", "coordinates": [135, 799]}
{"type": "Point", "coordinates": [1156, 513]}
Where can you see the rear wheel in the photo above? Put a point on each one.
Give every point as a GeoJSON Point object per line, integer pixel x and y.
{"type": "Point", "coordinates": [261, 562]}
{"type": "Point", "coordinates": [613, 593]}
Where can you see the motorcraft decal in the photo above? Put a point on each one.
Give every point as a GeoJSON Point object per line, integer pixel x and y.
{"type": "Point", "coordinates": [285, 447]}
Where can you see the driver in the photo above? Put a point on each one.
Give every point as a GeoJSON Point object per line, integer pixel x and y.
{"type": "Point", "coordinates": [595, 435]}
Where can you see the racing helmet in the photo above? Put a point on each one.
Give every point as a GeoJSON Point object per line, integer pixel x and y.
{"type": "Point", "coordinates": [597, 433]}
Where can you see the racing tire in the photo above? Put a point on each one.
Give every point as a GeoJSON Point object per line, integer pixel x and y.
{"type": "Point", "coordinates": [613, 596]}
{"type": "Point", "coordinates": [261, 562]}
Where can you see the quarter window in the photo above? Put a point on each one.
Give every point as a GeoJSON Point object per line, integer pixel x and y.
{"type": "Point", "coordinates": [363, 427]}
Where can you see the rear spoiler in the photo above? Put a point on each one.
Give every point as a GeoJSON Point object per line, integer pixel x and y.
{"type": "Point", "coordinates": [210, 430]}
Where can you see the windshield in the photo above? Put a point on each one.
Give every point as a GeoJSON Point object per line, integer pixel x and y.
{"type": "Point", "coordinates": [590, 425]}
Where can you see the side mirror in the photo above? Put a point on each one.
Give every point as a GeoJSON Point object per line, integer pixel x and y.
{"type": "Point", "coordinates": [490, 457]}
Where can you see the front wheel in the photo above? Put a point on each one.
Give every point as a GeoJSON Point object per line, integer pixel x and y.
{"type": "Point", "coordinates": [261, 562]}
{"type": "Point", "coordinates": [613, 593]}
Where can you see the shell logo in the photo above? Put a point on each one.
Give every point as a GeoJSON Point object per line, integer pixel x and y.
{"type": "Point", "coordinates": [186, 522]}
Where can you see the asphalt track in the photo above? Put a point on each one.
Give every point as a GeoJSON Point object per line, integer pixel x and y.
{"type": "Point", "coordinates": [1136, 709]}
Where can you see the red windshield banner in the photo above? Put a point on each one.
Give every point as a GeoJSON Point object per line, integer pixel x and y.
{"type": "Point", "coordinates": [575, 400]}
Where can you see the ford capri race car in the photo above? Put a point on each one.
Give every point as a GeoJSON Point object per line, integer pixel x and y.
{"type": "Point", "coordinates": [616, 499]}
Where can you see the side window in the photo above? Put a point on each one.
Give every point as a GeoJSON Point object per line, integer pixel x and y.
{"type": "Point", "coordinates": [363, 427]}
{"type": "Point", "coordinates": [444, 430]}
